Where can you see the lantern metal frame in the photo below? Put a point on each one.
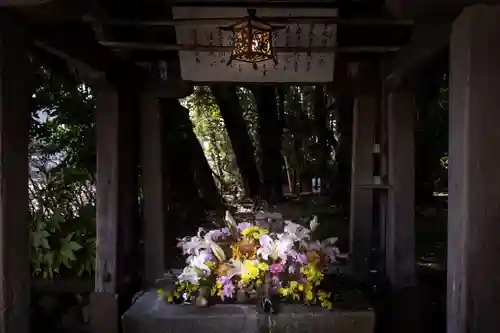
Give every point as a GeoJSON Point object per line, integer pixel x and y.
{"type": "Point", "coordinates": [252, 40]}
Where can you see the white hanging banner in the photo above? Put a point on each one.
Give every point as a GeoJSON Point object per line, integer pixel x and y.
{"type": "Point", "coordinates": [303, 67]}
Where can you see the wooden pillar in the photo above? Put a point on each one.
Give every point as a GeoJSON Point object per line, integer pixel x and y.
{"type": "Point", "coordinates": [117, 197]}
{"type": "Point", "coordinates": [400, 225]}
{"type": "Point", "coordinates": [361, 215]}
{"type": "Point", "coordinates": [153, 189]}
{"type": "Point", "coordinates": [474, 177]}
{"type": "Point", "coordinates": [15, 95]}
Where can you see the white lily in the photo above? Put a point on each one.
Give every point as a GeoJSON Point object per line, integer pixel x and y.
{"type": "Point", "coordinates": [314, 223]}
{"type": "Point", "coordinates": [236, 268]}
{"type": "Point", "coordinates": [194, 245]}
{"type": "Point", "coordinates": [274, 249]}
{"type": "Point", "coordinates": [296, 231]}
{"type": "Point", "coordinates": [327, 247]}
{"type": "Point", "coordinates": [189, 275]}
{"type": "Point", "coordinates": [199, 260]}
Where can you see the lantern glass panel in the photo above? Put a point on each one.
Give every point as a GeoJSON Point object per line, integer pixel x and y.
{"type": "Point", "coordinates": [252, 41]}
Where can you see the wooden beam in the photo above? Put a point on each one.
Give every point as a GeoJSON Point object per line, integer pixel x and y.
{"type": "Point", "coordinates": [86, 72]}
{"type": "Point", "coordinates": [82, 52]}
{"type": "Point", "coordinates": [153, 190]}
{"type": "Point", "coordinates": [428, 40]}
{"type": "Point", "coordinates": [100, 30]}
{"type": "Point", "coordinates": [473, 268]}
{"type": "Point", "coordinates": [15, 96]}
{"type": "Point", "coordinates": [216, 48]}
{"type": "Point", "coordinates": [361, 216]}
{"type": "Point", "coordinates": [117, 192]}
{"type": "Point", "coordinates": [231, 20]}
{"type": "Point", "coordinates": [167, 89]}
{"type": "Point", "coordinates": [354, 78]}
{"type": "Point", "coordinates": [400, 224]}
{"type": "Point", "coordinates": [117, 201]}
{"type": "Point", "coordinates": [257, 3]}
{"type": "Point", "coordinates": [425, 9]}
{"type": "Point", "coordinates": [22, 3]}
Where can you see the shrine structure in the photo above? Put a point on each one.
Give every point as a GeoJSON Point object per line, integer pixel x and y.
{"type": "Point", "coordinates": [142, 56]}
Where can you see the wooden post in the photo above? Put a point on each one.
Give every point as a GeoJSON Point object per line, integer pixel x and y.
{"type": "Point", "coordinates": [474, 178]}
{"type": "Point", "coordinates": [153, 189]}
{"type": "Point", "coordinates": [400, 227]}
{"type": "Point", "coordinates": [15, 95]}
{"type": "Point", "coordinates": [117, 198]}
{"type": "Point", "coordinates": [361, 215]}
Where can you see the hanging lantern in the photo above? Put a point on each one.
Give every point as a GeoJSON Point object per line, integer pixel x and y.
{"type": "Point", "coordinates": [252, 40]}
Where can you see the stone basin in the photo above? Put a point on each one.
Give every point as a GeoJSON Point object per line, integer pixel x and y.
{"type": "Point", "coordinates": [149, 314]}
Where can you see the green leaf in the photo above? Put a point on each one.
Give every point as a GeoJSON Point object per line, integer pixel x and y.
{"type": "Point", "coordinates": [218, 252]}
{"type": "Point", "coordinates": [74, 246]}
{"type": "Point", "coordinates": [67, 254]}
{"type": "Point", "coordinates": [49, 258]}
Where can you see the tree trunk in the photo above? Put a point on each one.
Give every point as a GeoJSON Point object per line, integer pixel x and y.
{"type": "Point", "coordinates": [342, 173]}
{"type": "Point", "coordinates": [230, 110]}
{"type": "Point", "coordinates": [271, 161]}
{"type": "Point", "coordinates": [184, 207]}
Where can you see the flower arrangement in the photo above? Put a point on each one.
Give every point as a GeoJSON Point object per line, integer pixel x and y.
{"type": "Point", "coordinates": [241, 260]}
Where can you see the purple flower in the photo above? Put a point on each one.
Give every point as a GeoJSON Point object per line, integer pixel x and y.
{"type": "Point", "coordinates": [276, 283]}
{"type": "Point", "coordinates": [277, 268]}
{"type": "Point", "coordinates": [209, 256]}
{"type": "Point", "coordinates": [242, 226]}
{"type": "Point", "coordinates": [302, 259]}
{"type": "Point", "coordinates": [299, 258]}
{"type": "Point", "coordinates": [223, 280]}
{"type": "Point", "coordinates": [227, 287]}
{"type": "Point", "coordinates": [227, 291]}
{"type": "Point", "coordinates": [219, 234]}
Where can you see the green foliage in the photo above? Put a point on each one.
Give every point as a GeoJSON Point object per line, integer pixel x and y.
{"type": "Point", "coordinates": [62, 178]}
{"type": "Point", "coordinates": [301, 132]}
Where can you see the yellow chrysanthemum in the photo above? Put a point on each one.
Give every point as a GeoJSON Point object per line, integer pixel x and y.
{"type": "Point", "coordinates": [254, 232]}
{"type": "Point", "coordinates": [250, 270]}
{"type": "Point", "coordinates": [236, 254]}
{"type": "Point", "coordinates": [324, 299]}
{"type": "Point", "coordinates": [284, 292]}
{"type": "Point", "coordinates": [312, 274]}
{"type": "Point", "coordinates": [309, 294]}
{"type": "Point", "coordinates": [327, 304]}
{"type": "Point", "coordinates": [293, 290]}
{"type": "Point", "coordinates": [263, 266]}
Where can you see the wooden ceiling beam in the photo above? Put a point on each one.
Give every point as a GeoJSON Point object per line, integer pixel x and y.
{"type": "Point", "coordinates": [216, 48]}
{"type": "Point", "coordinates": [100, 30]}
{"type": "Point", "coordinates": [229, 20]}
{"type": "Point", "coordinates": [441, 10]}
{"type": "Point", "coordinates": [353, 78]}
{"type": "Point", "coordinates": [428, 40]}
{"type": "Point", "coordinates": [83, 53]}
{"type": "Point", "coordinates": [22, 3]}
{"type": "Point", "coordinates": [255, 3]}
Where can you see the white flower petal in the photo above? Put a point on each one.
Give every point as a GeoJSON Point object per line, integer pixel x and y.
{"type": "Point", "coordinates": [314, 223]}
